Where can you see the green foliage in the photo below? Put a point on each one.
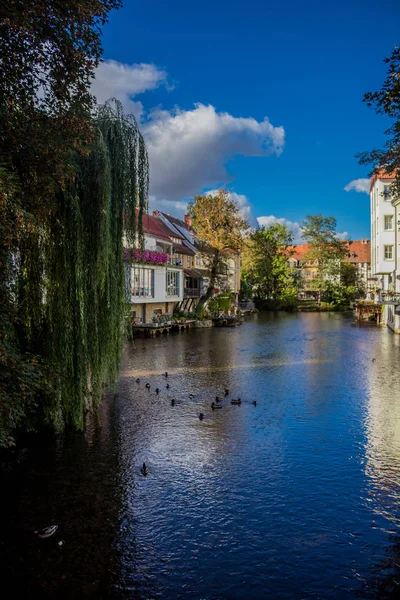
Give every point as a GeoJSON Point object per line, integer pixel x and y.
{"type": "Point", "coordinates": [326, 250]}
{"type": "Point", "coordinates": [386, 101]}
{"type": "Point", "coordinates": [221, 302]}
{"type": "Point", "coordinates": [265, 271]}
{"type": "Point", "coordinates": [219, 230]}
{"type": "Point", "coordinates": [67, 289]}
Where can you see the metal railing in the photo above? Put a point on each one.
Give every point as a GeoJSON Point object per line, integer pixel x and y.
{"type": "Point", "coordinates": [191, 293]}
{"type": "Point", "coordinates": [390, 297]}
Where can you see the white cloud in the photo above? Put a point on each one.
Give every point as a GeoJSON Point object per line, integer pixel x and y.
{"type": "Point", "coordinates": [358, 185]}
{"type": "Point", "coordinates": [124, 82]}
{"type": "Point", "coordinates": [189, 149]}
{"type": "Point", "coordinates": [343, 236]}
{"type": "Point", "coordinates": [293, 226]}
{"type": "Point", "coordinates": [171, 207]}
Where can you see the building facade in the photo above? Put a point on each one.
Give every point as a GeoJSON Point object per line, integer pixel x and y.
{"type": "Point", "coordinates": [154, 277]}
{"type": "Point", "coordinates": [384, 247]}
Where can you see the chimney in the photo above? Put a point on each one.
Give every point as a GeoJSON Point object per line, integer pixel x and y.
{"type": "Point", "coordinates": [364, 241]}
{"type": "Point", "coordinates": [155, 213]}
{"type": "Point", "coordinates": [188, 221]}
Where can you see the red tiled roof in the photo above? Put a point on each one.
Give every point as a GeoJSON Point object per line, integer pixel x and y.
{"type": "Point", "coordinates": [381, 174]}
{"type": "Point", "coordinates": [151, 226]}
{"type": "Point", "coordinates": [360, 252]}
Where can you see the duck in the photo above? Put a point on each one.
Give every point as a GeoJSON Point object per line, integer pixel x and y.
{"type": "Point", "coordinates": [238, 401]}
{"type": "Point", "coordinates": [144, 470]}
{"type": "Point", "coordinates": [148, 386]}
{"type": "Point", "coordinates": [138, 380]}
{"type": "Point", "coordinates": [157, 391]}
{"type": "Point", "coordinates": [47, 531]}
{"type": "Point", "coordinates": [168, 386]}
{"type": "Point", "coordinates": [226, 392]}
{"type": "Point", "coordinates": [166, 374]}
{"type": "Point", "coordinates": [214, 406]}
{"type": "Point", "coordinates": [173, 402]}
{"type": "Point", "coordinates": [201, 416]}
{"type": "Point", "coordinates": [217, 399]}
{"type": "Point", "coordinates": [191, 396]}
{"type": "Point", "coordinates": [255, 402]}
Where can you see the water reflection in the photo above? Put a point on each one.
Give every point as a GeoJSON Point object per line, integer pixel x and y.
{"type": "Point", "coordinates": [296, 497]}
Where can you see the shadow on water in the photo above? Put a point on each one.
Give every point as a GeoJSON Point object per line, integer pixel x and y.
{"type": "Point", "coordinates": [296, 497]}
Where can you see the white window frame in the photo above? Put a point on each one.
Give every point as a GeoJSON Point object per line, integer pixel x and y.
{"type": "Point", "coordinates": [385, 247]}
{"type": "Point", "coordinates": [142, 282]}
{"type": "Point", "coordinates": [188, 261]}
{"type": "Point", "coordinates": [385, 217]}
{"type": "Point", "coordinates": [386, 193]}
{"type": "Point", "coordinates": [172, 283]}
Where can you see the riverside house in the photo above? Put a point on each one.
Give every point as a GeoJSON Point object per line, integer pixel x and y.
{"type": "Point", "coordinates": [154, 277]}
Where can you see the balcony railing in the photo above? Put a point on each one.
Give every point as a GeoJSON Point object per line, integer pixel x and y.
{"type": "Point", "coordinates": [390, 298]}
{"type": "Point", "coordinates": [191, 293]}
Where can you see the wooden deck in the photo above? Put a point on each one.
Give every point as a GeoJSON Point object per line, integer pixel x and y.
{"type": "Point", "coordinates": [369, 312]}
{"type": "Point", "coordinates": [157, 329]}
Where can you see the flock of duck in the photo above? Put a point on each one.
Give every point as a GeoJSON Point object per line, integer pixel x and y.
{"type": "Point", "coordinates": [215, 405]}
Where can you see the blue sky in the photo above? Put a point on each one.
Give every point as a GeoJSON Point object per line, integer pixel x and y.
{"type": "Point", "coordinates": [202, 77]}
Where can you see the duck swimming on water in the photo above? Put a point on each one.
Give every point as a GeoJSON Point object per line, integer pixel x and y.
{"type": "Point", "coordinates": [191, 396]}
{"type": "Point", "coordinates": [201, 416]}
{"type": "Point", "coordinates": [138, 380]}
{"type": "Point", "coordinates": [173, 402]}
{"type": "Point", "coordinates": [214, 406]}
{"type": "Point", "coordinates": [157, 391]}
{"type": "Point", "coordinates": [238, 401]}
{"type": "Point", "coordinates": [148, 386]}
{"type": "Point", "coordinates": [168, 386]}
{"type": "Point", "coordinates": [255, 402]}
{"type": "Point", "coordinates": [144, 470]}
{"type": "Point", "coordinates": [47, 531]}
{"type": "Point", "coordinates": [217, 399]}
{"type": "Point", "coordinates": [226, 392]}
{"type": "Point", "coordinates": [166, 374]}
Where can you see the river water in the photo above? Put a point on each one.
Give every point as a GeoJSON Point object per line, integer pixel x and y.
{"type": "Point", "coordinates": [296, 497]}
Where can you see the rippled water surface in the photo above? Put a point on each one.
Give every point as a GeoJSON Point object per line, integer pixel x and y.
{"type": "Point", "coordinates": [297, 497]}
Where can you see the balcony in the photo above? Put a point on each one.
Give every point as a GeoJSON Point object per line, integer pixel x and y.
{"type": "Point", "coordinates": [191, 293]}
{"type": "Point", "coordinates": [391, 298]}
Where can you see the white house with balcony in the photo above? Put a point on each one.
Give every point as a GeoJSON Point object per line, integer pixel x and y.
{"type": "Point", "coordinates": [383, 233]}
{"type": "Point", "coordinates": [154, 277]}
{"type": "Point", "coordinates": [385, 255]}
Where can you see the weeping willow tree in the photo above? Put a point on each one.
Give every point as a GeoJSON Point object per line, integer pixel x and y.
{"type": "Point", "coordinates": [65, 282]}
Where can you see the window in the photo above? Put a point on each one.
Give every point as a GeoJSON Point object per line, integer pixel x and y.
{"type": "Point", "coordinates": [388, 222]}
{"type": "Point", "coordinates": [172, 283]}
{"type": "Point", "coordinates": [388, 252]}
{"type": "Point", "coordinates": [142, 282]}
{"type": "Point", "coordinates": [188, 262]}
{"type": "Point", "coordinates": [386, 193]}
{"type": "Point", "coordinates": [308, 274]}
{"type": "Point", "coordinates": [197, 260]}
{"type": "Point", "coordinates": [377, 253]}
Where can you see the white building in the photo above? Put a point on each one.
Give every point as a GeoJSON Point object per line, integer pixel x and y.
{"type": "Point", "coordinates": [383, 233]}
{"type": "Point", "coordinates": [155, 282]}
{"type": "Point", "coordinates": [385, 247]}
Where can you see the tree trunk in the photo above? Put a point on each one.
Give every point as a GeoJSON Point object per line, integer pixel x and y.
{"type": "Point", "coordinates": [211, 286]}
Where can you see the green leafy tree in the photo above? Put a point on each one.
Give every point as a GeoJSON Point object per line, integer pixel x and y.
{"type": "Point", "coordinates": [219, 229]}
{"type": "Point", "coordinates": [326, 250]}
{"type": "Point", "coordinates": [72, 177]}
{"type": "Point", "coordinates": [265, 268]}
{"type": "Point", "coordinates": [386, 101]}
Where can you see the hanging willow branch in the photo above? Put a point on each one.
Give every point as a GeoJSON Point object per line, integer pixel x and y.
{"type": "Point", "coordinates": [70, 286]}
